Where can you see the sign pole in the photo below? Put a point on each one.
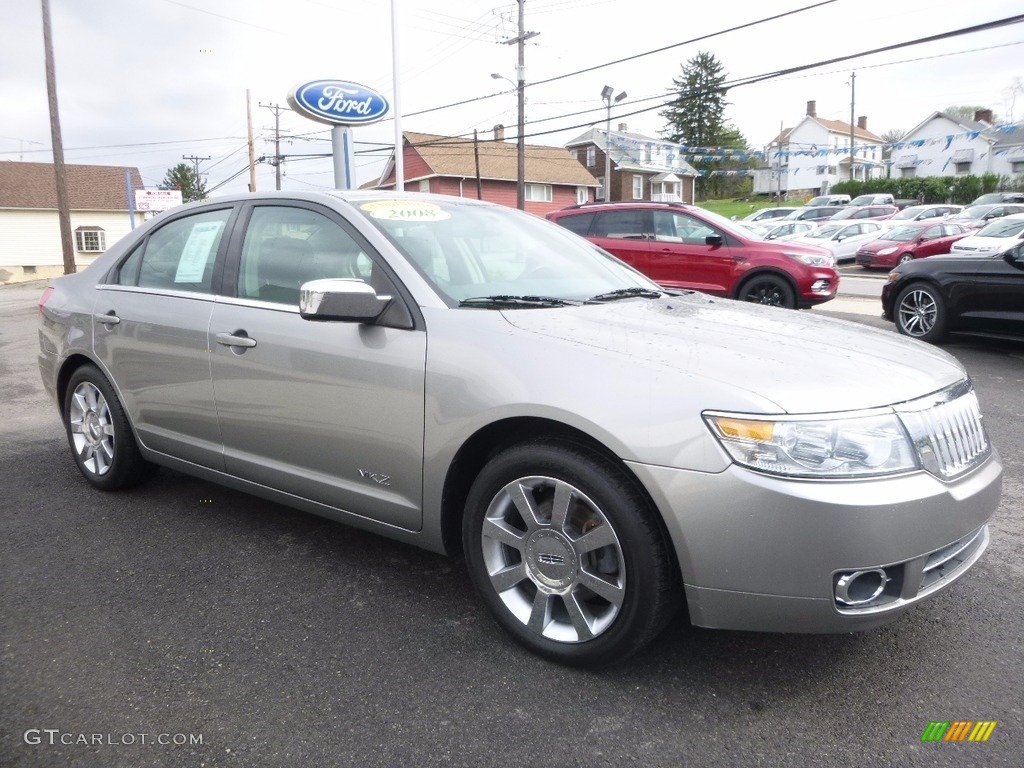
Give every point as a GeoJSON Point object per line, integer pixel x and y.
{"type": "Point", "coordinates": [344, 159]}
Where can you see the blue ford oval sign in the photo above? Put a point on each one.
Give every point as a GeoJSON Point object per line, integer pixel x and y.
{"type": "Point", "coordinates": [338, 102]}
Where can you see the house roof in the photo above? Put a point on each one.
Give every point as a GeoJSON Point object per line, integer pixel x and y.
{"type": "Point", "coordinates": [90, 187]}
{"type": "Point", "coordinates": [832, 126]}
{"type": "Point", "coordinates": [1006, 136]}
{"type": "Point", "coordinates": [454, 156]}
{"type": "Point", "coordinates": [627, 151]}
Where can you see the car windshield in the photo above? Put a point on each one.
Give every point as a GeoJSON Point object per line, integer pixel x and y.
{"type": "Point", "coordinates": [902, 234]}
{"type": "Point", "coordinates": [472, 251]}
{"type": "Point", "coordinates": [863, 200]}
{"type": "Point", "coordinates": [973, 212]}
{"type": "Point", "coordinates": [1002, 228]}
{"type": "Point", "coordinates": [824, 200]}
{"type": "Point", "coordinates": [825, 232]}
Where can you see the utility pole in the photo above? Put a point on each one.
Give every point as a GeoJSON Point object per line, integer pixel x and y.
{"type": "Point", "coordinates": [277, 109]}
{"type": "Point", "coordinates": [63, 205]}
{"type": "Point", "coordinates": [195, 160]}
{"type": "Point", "coordinates": [521, 85]}
{"type": "Point", "coordinates": [853, 82]}
{"type": "Point", "coordinates": [252, 148]}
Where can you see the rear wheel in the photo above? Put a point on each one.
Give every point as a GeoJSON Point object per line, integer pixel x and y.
{"type": "Point", "coordinates": [98, 432]}
{"type": "Point", "coordinates": [921, 313]}
{"type": "Point", "coordinates": [567, 554]}
{"type": "Point", "coordinates": [768, 289]}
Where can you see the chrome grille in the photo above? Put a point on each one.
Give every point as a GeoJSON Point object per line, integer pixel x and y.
{"type": "Point", "coordinates": [947, 430]}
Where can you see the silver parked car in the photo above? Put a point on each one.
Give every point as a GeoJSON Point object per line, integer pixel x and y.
{"type": "Point", "coordinates": [466, 377]}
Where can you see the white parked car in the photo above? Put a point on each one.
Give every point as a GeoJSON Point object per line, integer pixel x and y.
{"type": "Point", "coordinates": [767, 214]}
{"type": "Point", "coordinates": [997, 235]}
{"type": "Point", "coordinates": [787, 230]}
{"type": "Point", "coordinates": [842, 238]}
{"type": "Point", "coordinates": [923, 212]}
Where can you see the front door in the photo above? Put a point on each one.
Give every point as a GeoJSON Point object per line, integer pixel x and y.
{"type": "Point", "coordinates": [326, 411]}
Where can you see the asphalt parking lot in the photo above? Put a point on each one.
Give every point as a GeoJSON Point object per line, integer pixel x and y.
{"type": "Point", "coordinates": [183, 624]}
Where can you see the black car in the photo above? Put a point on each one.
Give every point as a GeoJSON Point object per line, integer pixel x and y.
{"type": "Point", "coordinates": [981, 295]}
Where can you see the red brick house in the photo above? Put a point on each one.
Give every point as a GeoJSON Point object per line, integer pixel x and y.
{"type": "Point", "coordinates": [642, 167]}
{"type": "Point", "coordinates": [450, 165]}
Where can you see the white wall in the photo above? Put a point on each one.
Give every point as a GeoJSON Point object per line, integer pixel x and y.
{"type": "Point", "coordinates": [31, 237]}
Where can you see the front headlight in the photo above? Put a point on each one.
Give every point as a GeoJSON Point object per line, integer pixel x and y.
{"type": "Point", "coordinates": [811, 260]}
{"type": "Point", "coordinates": [856, 446]}
{"type": "Point", "coordinates": [887, 251]}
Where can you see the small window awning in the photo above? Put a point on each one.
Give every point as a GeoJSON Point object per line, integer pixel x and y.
{"type": "Point", "coordinates": [665, 177]}
{"type": "Point", "coordinates": [906, 161]}
{"type": "Point", "coordinates": [963, 156]}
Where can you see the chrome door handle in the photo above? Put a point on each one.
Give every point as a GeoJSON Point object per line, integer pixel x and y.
{"type": "Point", "coordinates": [231, 340]}
{"type": "Point", "coordinates": [108, 319]}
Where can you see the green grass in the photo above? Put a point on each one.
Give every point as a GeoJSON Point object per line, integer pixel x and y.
{"type": "Point", "coordinates": [737, 208]}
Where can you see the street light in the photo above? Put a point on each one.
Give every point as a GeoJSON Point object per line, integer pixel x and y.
{"type": "Point", "coordinates": [606, 94]}
{"type": "Point", "coordinates": [520, 139]}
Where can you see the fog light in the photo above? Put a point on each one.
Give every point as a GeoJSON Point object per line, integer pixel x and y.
{"type": "Point", "coordinates": [861, 587]}
{"type": "Point", "coordinates": [821, 286]}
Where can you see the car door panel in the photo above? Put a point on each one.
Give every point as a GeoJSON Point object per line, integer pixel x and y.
{"type": "Point", "coordinates": [327, 411]}
{"type": "Point", "coordinates": [151, 332]}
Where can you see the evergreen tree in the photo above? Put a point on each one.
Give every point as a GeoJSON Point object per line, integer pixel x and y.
{"type": "Point", "coordinates": [183, 177]}
{"type": "Point", "coordinates": [696, 117]}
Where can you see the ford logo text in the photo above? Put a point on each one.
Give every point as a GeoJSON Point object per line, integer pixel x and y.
{"type": "Point", "coordinates": [338, 102]}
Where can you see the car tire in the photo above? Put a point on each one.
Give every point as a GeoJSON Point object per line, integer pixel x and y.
{"type": "Point", "coordinates": [920, 312]}
{"type": "Point", "coordinates": [567, 554]}
{"type": "Point", "coordinates": [771, 290]}
{"type": "Point", "coordinates": [906, 257]}
{"type": "Point", "coordinates": [99, 434]}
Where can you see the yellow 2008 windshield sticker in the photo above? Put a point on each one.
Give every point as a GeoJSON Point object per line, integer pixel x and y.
{"type": "Point", "coordinates": [405, 210]}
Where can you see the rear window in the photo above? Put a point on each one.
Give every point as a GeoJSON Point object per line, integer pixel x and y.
{"type": "Point", "coordinates": [580, 223]}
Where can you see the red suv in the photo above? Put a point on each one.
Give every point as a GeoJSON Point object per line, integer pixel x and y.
{"type": "Point", "coordinates": [681, 246]}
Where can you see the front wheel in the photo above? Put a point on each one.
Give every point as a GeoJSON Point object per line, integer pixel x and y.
{"type": "Point", "coordinates": [921, 313]}
{"type": "Point", "coordinates": [905, 258]}
{"type": "Point", "coordinates": [768, 289]}
{"type": "Point", "coordinates": [567, 554]}
{"type": "Point", "coordinates": [99, 434]}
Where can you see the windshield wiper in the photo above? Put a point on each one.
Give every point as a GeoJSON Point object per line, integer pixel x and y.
{"type": "Point", "coordinates": [626, 293]}
{"type": "Point", "coordinates": [516, 302]}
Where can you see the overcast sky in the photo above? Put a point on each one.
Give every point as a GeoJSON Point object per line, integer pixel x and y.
{"type": "Point", "coordinates": [144, 83]}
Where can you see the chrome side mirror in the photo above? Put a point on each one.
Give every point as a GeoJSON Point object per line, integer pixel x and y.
{"type": "Point", "coordinates": [345, 299]}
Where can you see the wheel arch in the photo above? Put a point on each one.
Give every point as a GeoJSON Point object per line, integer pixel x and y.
{"type": "Point", "coordinates": [495, 437]}
{"type": "Point", "coordinates": [67, 370]}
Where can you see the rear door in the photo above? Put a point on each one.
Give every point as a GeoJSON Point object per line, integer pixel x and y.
{"type": "Point", "coordinates": [625, 233]}
{"type": "Point", "coordinates": [994, 302]}
{"type": "Point", "coordinates": [326, 411]}
{"type": "Point", "coordinates": [151, 333]}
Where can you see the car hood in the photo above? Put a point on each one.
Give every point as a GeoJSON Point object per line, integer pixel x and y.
{"type": "Point", "coordinates": [750, 356]}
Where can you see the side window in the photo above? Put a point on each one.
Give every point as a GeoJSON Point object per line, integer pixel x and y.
{"type": "Point", "coordinates": [691, 230]}
{"type": "Point", "coordinates": [665, 227]}
{"type": "Point", "coordinates": [285, 247]}
{"type": "Point", "coordinates": [180, 255]}
{"type": "Point", "coordinates": [621, 225]}
{"type": "Point", "coordinates": [579, 224]}
{"type": "Point", "coordinates": [128, 272]}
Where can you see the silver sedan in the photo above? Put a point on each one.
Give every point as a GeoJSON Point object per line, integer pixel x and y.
{"type": "Point", "coordinates": [468, 378]}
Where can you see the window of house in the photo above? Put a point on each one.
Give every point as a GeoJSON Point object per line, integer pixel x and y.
{"type": "Point", "coordinates": [1017, 166]}
{"type": "Point", "coordinates": [647, 153]}
{"type": "Point", "coordinates": [424, 185]}
{"type": "Point", "coordinates": [822, 169]}
{"type": "Point", "coordinates": [963, 169]}
{"type": "Point", "coordinates": [638, 187]}
{"type": "Point", "coordinates": [833, 170]}
{"type": "Point", "coordinates": [539, 193]}
{"type": "Point", "coordinates": [591, 156]}
{"type": "Point", "coordinates": [907, 173]}
{"type": "Point", "coordinates": [582, 195]}
{"type": "Point", "coordinates": [600, 188]}
{"type": "Point", "coordinates": [90, 240]}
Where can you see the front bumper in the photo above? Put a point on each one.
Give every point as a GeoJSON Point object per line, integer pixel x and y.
{"type": "Point", "coordinates": [764, 553]}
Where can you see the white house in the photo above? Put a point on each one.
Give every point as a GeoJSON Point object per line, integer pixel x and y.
{"type": "Point", "coordinates": [947, 145]}
{"type": "Point", "coordinates": [30, 245]}
{"type": "Point", "coordinates": [643, 167]}
{"type": "Point", "coordinates": [811, 157]}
